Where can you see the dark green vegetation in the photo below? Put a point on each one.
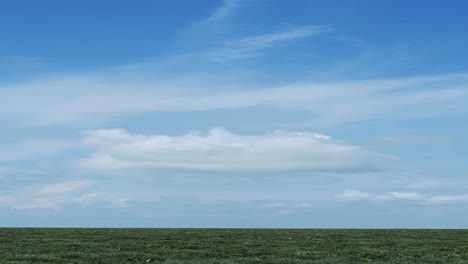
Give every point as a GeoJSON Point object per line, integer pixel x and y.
{"type": "Point", "coordinates": [232, 246]}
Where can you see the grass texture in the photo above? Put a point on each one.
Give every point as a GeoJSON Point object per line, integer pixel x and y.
{"type": "Point", "coordinates": [227, 246]}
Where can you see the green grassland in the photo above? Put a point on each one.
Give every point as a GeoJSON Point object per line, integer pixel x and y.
{"type": "Point", "coordinates": [32, 245]}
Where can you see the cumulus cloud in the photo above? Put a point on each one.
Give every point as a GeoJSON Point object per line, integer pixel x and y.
{"type": "Point", "coordinates": [116, 150]}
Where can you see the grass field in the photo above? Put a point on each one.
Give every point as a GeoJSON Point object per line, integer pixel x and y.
{"type": "Point", "coordinates": [232, 246]}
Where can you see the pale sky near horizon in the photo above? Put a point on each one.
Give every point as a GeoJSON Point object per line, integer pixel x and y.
{"type": "Point", "coordinates": [315, 114]}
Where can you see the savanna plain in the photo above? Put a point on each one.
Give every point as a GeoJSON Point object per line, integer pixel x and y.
{"type": "Point", "coordinates": [226, 246]}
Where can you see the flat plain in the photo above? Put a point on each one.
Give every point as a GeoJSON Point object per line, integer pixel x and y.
{"type": "Point", "coordinates": [226, 246]}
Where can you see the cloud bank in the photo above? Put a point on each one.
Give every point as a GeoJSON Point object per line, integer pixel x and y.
{"type": "Point", "coordinates": [116, 150]}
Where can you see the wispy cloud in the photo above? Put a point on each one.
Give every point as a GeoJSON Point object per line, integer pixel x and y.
{"type": "Point", "coordinates": [354, 195]}
{"type": "Point", "coordinates": [222, 12]}
{"type": "Point", "coordinates": [214, 23]}
{"type": "Point", "coordinates": [395, 141]}
{"type": "Point", "coordinates": [41, 203]}
{"type": "Point", "coordinates": [11, 65]}
{"type": "Point", "coordinates": [219, 40]}
{"type": "Point", "coordinates": [440, 199]}
{"type": "Point", "coordinates": [5, 200]}
{"type": "Point", "coordinates": [67, 100]}
{"type": "Point", "coordinates": [65, 187]}
{"type": "Point", "coordinates": [94, 198]}
{"type": "Point", "coordinates": [60, 195]}
{"type": "Point", "coordinates": [33, 149]}
{"type": "Point", "coordinates": [350, 195]}
{"type": "Point", "coordinates": [120, 152]}
{"type": "Point", "coordinates": [272, 39]}
{"type": "Point", "coordinates": [423, 185]}
{"type": "Point", "coordinates": [252, 46]}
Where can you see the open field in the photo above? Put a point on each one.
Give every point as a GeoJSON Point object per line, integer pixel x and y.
{"type": "Point", "coordinates": [232, 246]}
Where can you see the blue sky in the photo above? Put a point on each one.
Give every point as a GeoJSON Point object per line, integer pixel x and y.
{"type": "Point", "coordinates": [234, 114]}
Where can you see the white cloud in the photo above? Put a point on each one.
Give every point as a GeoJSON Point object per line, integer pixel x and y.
{"type": "Point", "coordinates": [447, 199]}
{"type": "Point", "coordinates": [66, 187]}
{"type": "Point", "coordinates": [221, 151]}
{"type": "Point", "coordinates": [354, 195]}
{"type": "Point", "coordinates": [407, 195]}
{"type": "Point", "coordinates": [150, 87]}
{"type": "Point", "coordinates": [302, 205]}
